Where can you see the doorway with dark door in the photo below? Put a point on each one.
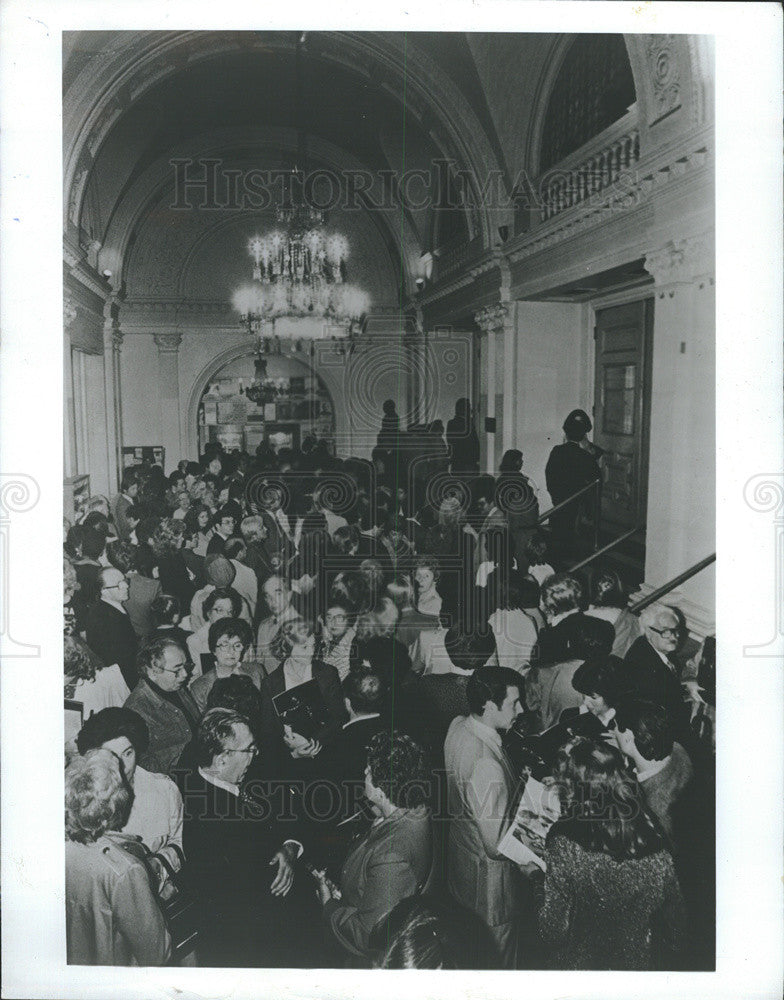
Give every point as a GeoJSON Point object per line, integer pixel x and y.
{"type": "Point", "coordinates": [622, 407]}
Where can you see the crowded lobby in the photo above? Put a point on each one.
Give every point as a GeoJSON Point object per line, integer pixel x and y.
{"type": "Point", "coordinates": [388, 562]}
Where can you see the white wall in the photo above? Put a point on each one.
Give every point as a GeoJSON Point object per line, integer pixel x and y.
{"type": "Point", "coordinates": [553, 375]}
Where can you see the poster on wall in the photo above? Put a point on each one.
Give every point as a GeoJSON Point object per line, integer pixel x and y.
{"type": "Point", "coordinates": [143, 454]}
{"type": "Point", "coordinates": [76, 493]}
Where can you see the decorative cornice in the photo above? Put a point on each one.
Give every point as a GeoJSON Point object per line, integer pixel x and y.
{"type": "Point", "coordinates": [168, 343]}
{"type": "Point", "coordinates": [681, 261]}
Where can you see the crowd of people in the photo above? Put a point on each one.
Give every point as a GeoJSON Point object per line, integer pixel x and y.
{"type": "Point", "coordinates": [313, 690]}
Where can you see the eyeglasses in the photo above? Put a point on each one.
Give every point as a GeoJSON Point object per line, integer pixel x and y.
{"type": "Point", "coordinates": [672, 633]}
{"type": "Point", "coordinates": [177, 671]}
{"type": "Point", "coordinates": [335, 618]}
{"type": "Point", "coordinates": [253, 751]}
{"type": "Point", "coordinates": [238, 647]}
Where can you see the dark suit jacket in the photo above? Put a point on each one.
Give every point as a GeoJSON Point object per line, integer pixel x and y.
{"type": "Point", "coordinates": [343, 762]}
{"type": "Point", "coordinates": [650, 680]}
{"type": "Point", "coordinates": [328, 681]}
{"type": "Point", "coordinates": [229, 843]}
{"type": "Point", "coordinates": [552, 645]}
{"type": "Point", "coordinates": [173, 576]}
{"type": "Point", "coordinates": [569, 468]}
{"type": "Point", "coordinates": [111, 636]}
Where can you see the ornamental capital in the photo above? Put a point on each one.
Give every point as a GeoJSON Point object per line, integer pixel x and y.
{"type": "Point", "coordinates": [681, 261]}
{"type": "Point", "coordinates": [168, 343]}
{"type": "Point", "coordinates": [492, 318]}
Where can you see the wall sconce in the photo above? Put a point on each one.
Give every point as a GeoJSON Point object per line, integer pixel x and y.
{"type": "Point", "coordinates": [503, 232]}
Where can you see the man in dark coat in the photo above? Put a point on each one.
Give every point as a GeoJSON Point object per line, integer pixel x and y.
{"type": "Point", "coordinates": [242, 847]}
{"type": "Point", "coordinates": [650, 671]}
{"type": "Point", "coordinates": [110, 633]}
{"type": "Point", "coordinates": [570, 467]}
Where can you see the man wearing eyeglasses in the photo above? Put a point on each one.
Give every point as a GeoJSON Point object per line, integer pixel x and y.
{"type": "Point", "coordinates": [242, 848]}
{"type": "Point", "coordinates": [110, 633]}
{"type": "Point", "coordinates": [164, 702]}
{"type": "Point", "coordinates": [650, 670]}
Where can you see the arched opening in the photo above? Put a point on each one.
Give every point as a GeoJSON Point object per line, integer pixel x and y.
{"type": "Point", "coordinates": [297, 404]}
{"type": "Point", "coordinates": [594, 88]}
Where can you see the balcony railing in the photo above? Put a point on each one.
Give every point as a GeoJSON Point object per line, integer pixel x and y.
{"type": "Point", "coordinates": [591, 169]}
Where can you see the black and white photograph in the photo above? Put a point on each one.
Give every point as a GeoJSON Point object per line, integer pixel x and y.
{"type": "Point", "coordinates": [397, 422]}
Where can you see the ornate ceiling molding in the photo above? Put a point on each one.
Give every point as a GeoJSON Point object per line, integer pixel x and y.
{"type": "Point", "coordinates": [139, 60]}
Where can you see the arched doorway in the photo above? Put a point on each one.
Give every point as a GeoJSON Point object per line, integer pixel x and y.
{"type": "Point", "coordinates": [301, 405]}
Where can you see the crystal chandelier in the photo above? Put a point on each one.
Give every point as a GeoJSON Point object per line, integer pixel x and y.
{"type": "Point", "coordinates": [299, 270]}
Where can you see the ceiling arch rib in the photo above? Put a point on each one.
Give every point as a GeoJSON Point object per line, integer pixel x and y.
{"type": "Point", "coordinates": [144, 62]}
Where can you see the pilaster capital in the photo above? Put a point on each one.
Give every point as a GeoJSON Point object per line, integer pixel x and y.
{"type": "Point", "coordinates": [681, 261]}
{"type": "Point", "coordinates": [492, 318]}
{"type": "Point", "coordinates": [168, 343]}
{"type": "Point", "coordinates": [69, 311]}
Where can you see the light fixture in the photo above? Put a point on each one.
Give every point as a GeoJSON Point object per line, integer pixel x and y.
{"type": "Point", "coordinates": [299, 268]}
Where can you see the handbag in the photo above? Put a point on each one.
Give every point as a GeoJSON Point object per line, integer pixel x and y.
{"type": "Point", "coordinates": [177, 899]}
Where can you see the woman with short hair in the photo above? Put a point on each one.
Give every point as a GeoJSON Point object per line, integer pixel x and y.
{"type": "Point", "coordinates": [562, 603]}
{"type": "Point", "coordinates": [394, 859]}
{"type": "Point", "coordinates": [295, 646]}
{"type": "Point", "coordinates": [112, 913]}
{"type": "Point", "coordinates": [611, 895]}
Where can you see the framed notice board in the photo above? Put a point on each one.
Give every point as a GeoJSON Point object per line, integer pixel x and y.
{"type": "Point", "coordinates": [144, 454]}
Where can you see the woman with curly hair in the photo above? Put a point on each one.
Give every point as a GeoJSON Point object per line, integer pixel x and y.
{"type": "Point", "coordinates": [167, 543]}
{"type": "Point", "coordinates": [395, 858]}
{"type": "Point", "coordinates": [611, 895]}
{"type": "Point", "coordinates": [112, 914]}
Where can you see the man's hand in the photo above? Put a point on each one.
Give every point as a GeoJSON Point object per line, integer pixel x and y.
{"type": "Point", "coordinates": [298, 745]}
{"type": "Point", "coordinates": [323, 889]}
{"type": "Point", "coordinates": [284, 879]}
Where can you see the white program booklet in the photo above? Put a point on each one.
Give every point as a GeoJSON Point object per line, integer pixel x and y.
{"type": "Point", "coordinates": [539, 808]}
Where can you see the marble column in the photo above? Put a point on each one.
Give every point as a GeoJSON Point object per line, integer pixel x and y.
{"type": "Point", "coordinates": [169, 396]}
{"type": "Point", "coordinates": [681, 516]}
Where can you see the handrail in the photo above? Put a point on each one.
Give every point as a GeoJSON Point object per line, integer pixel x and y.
{"type": "Point", "coordinates": [665, 588]}
{"type": "Point", "coordinates": [608, 547]}
{"type": "Point", "coordinates": [595, 485]}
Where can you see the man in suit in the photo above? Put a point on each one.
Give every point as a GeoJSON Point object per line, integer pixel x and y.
{"type": "Point", "coordinates": [652, 675]}
{"type": "Point", "coordinates": [224, 524]}
{"type": "Point", "coordinates": [242, 846]}
{"type": "Point", "coordinates": [126, 498]}
{"type": "Point", "coordinates": [110, 632]}
{"type": "Point", "coordinates": [571, 466]}
{"type": "Point", "coordinates": [481, 788]}
{"type": "Point", "coordinates": [342, 762]}
{"type": "Point", "coordinates": [163, 701]}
